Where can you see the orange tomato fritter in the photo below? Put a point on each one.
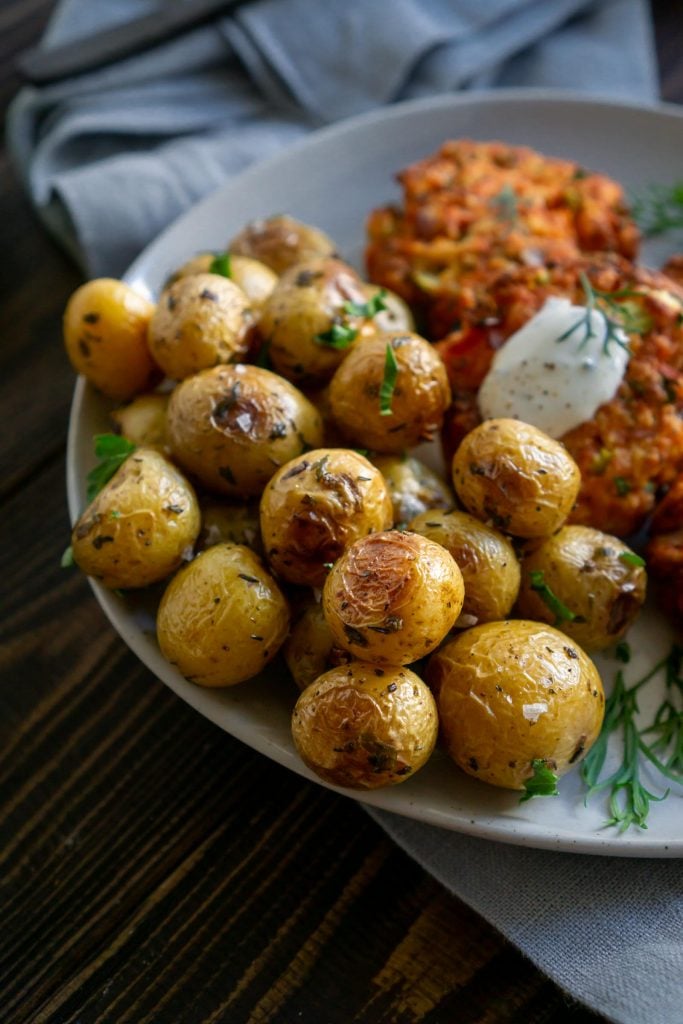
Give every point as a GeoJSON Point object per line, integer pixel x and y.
{"type": "Point", "coordinates": [476, 209]}
{"type": "Point", "coordinates": [632, 448]}
{"type": "Point", "coordinates": [664, 551]}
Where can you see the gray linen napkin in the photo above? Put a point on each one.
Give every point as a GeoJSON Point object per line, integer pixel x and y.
{"type": "Point", "coordinates": [111, 158]}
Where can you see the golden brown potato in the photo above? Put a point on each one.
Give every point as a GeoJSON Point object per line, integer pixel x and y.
{"type": "Point", "coordinates": [222, 618]}
{"type": "Point", "coordinates": [105, 334]}
{"type": "Point", "coordinates": [393, 597]}
{"type": "Point", "coordinates": [308, 321]}
{"type": "Point", "coordinates": [310, 649]}
{"type": "Point", "coordinates": [596, 578]}
{"type": "Point", "coordinates": [230, 522]}
{"type": "Point", "coordinates": [486, 559]}
{"type": "Point", "coordinates": [516, 476]}
{"type": "Point", "coordinates": [365, 726]}
{"type": "Point", "coordinates": [414, 487]}
{"type": "Point", "coordinates": [510, 693]}
{"type": "Point", "coordinates": [255, 279]}
{"type": "Point", "coordinates": [139, 526]}
{"type": "Point", "coordinates": [232, 426]}
{"type": "Point", "coordinates": [202, 320]}
{"type": "Point", "coordinates": [280, 241]}
{"type": "Point", "coordinates": [414, 408]}
{"type": "Point", "coordinates": [143, 421]}
{"type": "Point", "coordinates": [315, 506]}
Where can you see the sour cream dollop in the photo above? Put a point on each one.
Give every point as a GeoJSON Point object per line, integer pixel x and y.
{"type": "Point", "coordinates": [554, 384]}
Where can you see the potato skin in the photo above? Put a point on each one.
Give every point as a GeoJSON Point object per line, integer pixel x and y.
{"type": "Point", "coordinates": [254, 278]}
{"type": "Point", "coordinates": [414, 487]}
{"type": "Point", "coordinates": [486, 559]}
{"type": "Point", "coordinates": [307, 302]}
{"type": "Point", "coordinates": [105, 335]}
{"type": "Point", "coordinates": [318, 504]}
{"type": "Point", "coordinates": [281, 241]}
{"type": "Point", "coordinates": [420, 399]}
{"type": "Point", "coordinates": [583, 568]}
{"type": "Point", "coordinates": [202, 320]}
{"type": "Point", "coordinates": [143, 421]}
{"type": "Point", "coordinates": [222, 617]}
{"type": "Point", "coordinates": [516, 476]}
{"type": "Point", "coordinates": [365, 726]}
{"type": "Point", "coordinates": [139, 526]}
{"type": "Point", "coordinates": [512, 692]}
{"type": "Point", "coordinates": [232, 426]}
{"type": "Point", "coordinates": [310, 649]}
{"type": "Point", "coordinates": [393, 597]}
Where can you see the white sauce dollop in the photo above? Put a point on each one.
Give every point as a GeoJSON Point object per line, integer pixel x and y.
{"type": "Point", "coordinates": [554, 385]}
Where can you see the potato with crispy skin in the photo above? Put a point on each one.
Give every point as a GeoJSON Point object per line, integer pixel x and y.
{"type": "Point", "coordinates": [516, 476]}
{"type": "Point", "coordinates": [486, 559]}
{"type": "Point", "coordinates": [232, 426]}
{"type": "Point", "coordinates": [365, 726]}
{"type": "Point", "coordinates": [143, 421]}
{"type": "Point", "coordinates": [310, 648]}
{"type": "Point", "coordinates": [314, 507]}
{"type": "Point", "coordinates": [596, 578]}
{"type": "Point", "coordinates": [105, 334]}
{"type": "Point", "coordinates": [413, 486]}
{"type": "Point", "coordinates": [390, 393]}
{"type": "Point", "coordinates": [254, 278]}
{"type": "Point", "coordinates": [281, 241]}
{"type": "Point", "coordinates": [512, 693]}
{"type": "Point", "coordinates": [393, 597]}
{"type": "Point", "coordinates": [222, 618]}
{"type": "Point", "coordinates": [201, 321]}
{"type": "Point", "coordinates": [139, 526]}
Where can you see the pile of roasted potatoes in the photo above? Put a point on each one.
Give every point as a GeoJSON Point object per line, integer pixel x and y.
{"type": "Point", "coordinates": [271, 399]}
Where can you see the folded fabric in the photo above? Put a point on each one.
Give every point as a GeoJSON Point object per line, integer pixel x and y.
{"type": "Point", "coordinates": [111, 157]}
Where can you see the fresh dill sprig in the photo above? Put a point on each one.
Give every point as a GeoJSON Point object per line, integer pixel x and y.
{"type": "Point", "coordinates": [618, 316]}
{"type": "Point", "coordinates": [658, 209]}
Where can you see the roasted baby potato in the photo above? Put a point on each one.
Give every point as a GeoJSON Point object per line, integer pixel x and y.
{"type": "Point", "coordinates": [139, 526]}
{"type": "Point", "coordinates": [316, 506]}
{"type": "Point", "coordinates": [310, 649]}
{"type": "Point", "coordinates": [308, 322]}
{"type": "Point", "coordinates": [222, 618]}
{"type": "Point", "coordinates": [392, 597]}
{"type": "Point", "coordinates": [486, 559]}
{"type": "Point", "coordinates": [365, 726]}
{"type": "Point", "coordinates": [596, 578]}
{"type": "Point", "coordinates": [281, 241]}
{"type": "Point", "coordinates": [229, 522]}
{"type": "Point", "coordinates": [232, 426]}
{"type": "Point", "coordinates": [511, 693]}
{"type": "Point", "coordinates": [143, 421]}
{"type": "Point", "coordinates": [254, 278]}
{"type": "Point", "coordinates": [105, 334]}
{"type": "Point", "coordinates": [516, 476]}
{"type": "Point", "coordinates": [414, 487]}
{"type": "Point", "coordinates": [396, 315]}
{"type": "Point", "coordinates": [390, 393]}
{"type": "Point", "coordinates": [201, 321]}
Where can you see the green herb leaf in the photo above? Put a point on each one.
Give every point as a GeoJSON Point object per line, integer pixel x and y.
{"type": "Point", "coordinates": [339, 336]}
{"type": "Point", "coordinates": [112, 451]}
{"type": "Point", "coordinates": [386, 389]}
{"type": "Point", "coordinates": [618, 316]}
{"type": "Point", "coordinates": [67, 559]}
{"type": "Point", "coordinates": [542, 783]}
{"type": "Point", "coordinates": [370, 308]}
{"type": "Point", "coordinates": [658, 209]}
{"type": "Point", "coordinates": [622, 485]}
{"type": "Point", "coordinates": [631, 558]}
{"type": "Point", "coordinates": [220, 264]}
{"type": "Point", "coordinates": [559, 610]}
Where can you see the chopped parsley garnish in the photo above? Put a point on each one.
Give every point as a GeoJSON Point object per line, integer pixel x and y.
{"type": "Point", "coordinates": [339, 336]}
{"type": "Point", "coordinates": [659, 209]}
{"type": "Point", "coordinates": [559, 610]}
{"type": "Point", "coordinates": [542, 783]}
{"type": "Point", "coordinates": [386, 390]}
{"type": "Point", "coordinates": [220, 264]}
{"type": "Point", "coordinates": [370, 308]}
{"type": "Point", "coordinates": [631, 558]}
{"type": "Point", "coordinates": [112, 451]}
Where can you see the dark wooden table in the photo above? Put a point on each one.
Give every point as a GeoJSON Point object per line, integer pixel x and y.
{"type": "Point", "coordinates": [152, 867]}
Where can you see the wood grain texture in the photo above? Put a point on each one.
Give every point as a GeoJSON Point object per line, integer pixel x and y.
{"type": "Point", "coordinates": [152, 868]}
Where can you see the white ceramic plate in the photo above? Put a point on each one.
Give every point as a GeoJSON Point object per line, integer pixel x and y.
{"type": "Point", "coordinates": [333, 179]}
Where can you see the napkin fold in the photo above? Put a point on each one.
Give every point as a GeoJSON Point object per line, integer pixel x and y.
{"type": "Point", "coordinates": [111, 157]}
